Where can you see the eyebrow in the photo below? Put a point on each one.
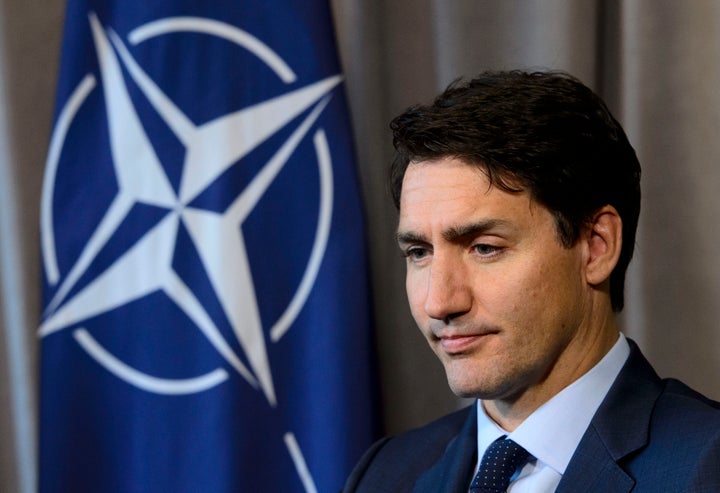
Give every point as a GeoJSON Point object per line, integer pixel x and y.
{"type": "Point", "coordinates": [456, 233]}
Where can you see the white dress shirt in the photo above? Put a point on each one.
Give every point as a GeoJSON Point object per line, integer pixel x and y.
{"type": "Point", "coordinates": [552, 433]}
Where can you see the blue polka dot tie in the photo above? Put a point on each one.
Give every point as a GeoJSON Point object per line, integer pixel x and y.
{"type": "Point", "coordinates": [502, 458]}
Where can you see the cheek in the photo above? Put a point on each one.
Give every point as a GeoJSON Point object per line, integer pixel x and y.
{"type": "Point", "coordinates": [527, 299]}
{"type": "Point", "coordinates": [514, 291]}
{"type": "Point", "coordinates": [547, 301]}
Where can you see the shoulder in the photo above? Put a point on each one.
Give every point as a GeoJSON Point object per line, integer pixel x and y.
{"type": "Point", "coordinates": [684, 441]}
{"type": "Point", "coordinates": [638, 391]}
{"type": "Point", "coordinates": [682, 410]}
{"type": "Point", "coordinates": [394, 462]}
{"type": "Point", "coordinates": [667, 408]}
{"type": "Point", "coordinates": [661, 432]}
{"type": "Point", "coordinates": [676, 393]}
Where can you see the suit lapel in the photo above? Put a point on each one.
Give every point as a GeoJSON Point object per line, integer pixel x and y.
{"type": "Point", "coordinates": [593, 470]}
{"type": "Point", "coordinates": [619, 428]}
{"type": "Point", "coordinates": [452, 473]}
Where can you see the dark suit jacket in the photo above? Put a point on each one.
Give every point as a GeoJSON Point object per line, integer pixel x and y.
{"type": "Point", "coordinates": [648, 435]}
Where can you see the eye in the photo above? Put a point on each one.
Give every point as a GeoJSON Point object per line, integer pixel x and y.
{"type": "Point", "coordinates": [486, 250]}
{"type": "Point", "coordinates": [416, 253]}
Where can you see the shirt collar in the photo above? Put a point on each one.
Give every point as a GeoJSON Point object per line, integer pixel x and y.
{"type": "Point", "coordinates": [553, 431]}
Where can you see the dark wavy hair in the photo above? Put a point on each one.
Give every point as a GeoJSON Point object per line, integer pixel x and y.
{"type": "Point", "coordinates": [542, 132]}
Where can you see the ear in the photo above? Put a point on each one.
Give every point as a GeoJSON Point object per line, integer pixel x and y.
{"type": "Point", "coordinates": [604, 241]}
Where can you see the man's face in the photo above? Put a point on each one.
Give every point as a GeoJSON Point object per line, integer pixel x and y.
{"type": "Point", "coordinates": [497, 296]}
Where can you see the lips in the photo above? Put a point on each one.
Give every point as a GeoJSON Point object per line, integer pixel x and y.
{"type": "Point", "coordinates": [459, 344]}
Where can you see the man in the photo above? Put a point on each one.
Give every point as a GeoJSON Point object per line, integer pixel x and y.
{"type": "Point", "coordinates": [519, 197]}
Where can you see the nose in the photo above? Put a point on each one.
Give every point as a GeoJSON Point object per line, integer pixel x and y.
{"type": "Point", "coordinates": [448, 290]}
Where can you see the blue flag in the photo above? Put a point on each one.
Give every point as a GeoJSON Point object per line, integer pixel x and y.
{"type": "Point", "coordinates": [206, 322]}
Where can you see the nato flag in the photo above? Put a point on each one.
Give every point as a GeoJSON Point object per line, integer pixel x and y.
{"type": "Point", "coordinates": [206, 322]}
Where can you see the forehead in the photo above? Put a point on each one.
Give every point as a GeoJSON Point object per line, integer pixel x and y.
{"type": "Point", "coordinates": [449, 190]}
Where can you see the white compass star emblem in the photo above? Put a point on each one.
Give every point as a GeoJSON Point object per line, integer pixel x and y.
{"type": "Point", "coordinates": [212, 148]}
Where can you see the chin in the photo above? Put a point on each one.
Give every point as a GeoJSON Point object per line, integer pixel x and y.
{"type": "Point", "coordinates": [467, 389]}
{"type": "Point", "coordinates": [478, 384]}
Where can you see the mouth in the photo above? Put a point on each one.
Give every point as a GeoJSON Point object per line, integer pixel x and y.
{"type": "Point", "coordinates": [459, 344]}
